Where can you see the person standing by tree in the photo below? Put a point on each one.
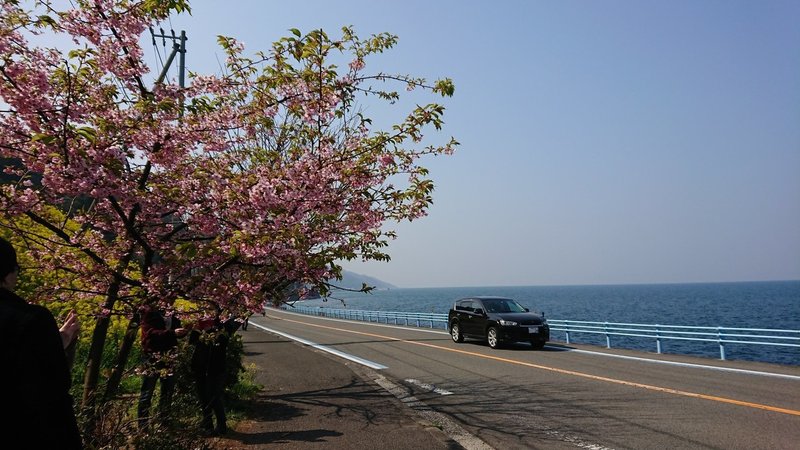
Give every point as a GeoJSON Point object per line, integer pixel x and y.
{"type": "Point", "coordinates": [246, 320]}
{"type": "Point", "coordinates": [160, 333]}
{"type": "Point", "coordinates": [35, 376]}
{"type": "Point", "coordinates": [210, 339]}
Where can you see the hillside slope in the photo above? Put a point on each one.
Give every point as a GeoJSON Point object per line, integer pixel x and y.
{"type": "Point", "coordinates": [352, 280]}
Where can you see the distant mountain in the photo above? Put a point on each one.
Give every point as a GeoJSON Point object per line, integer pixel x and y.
{"type": "Point", "coordinates": [352, 280]}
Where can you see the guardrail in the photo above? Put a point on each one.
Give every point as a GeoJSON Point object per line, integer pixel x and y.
{"type": "Point", "coordinates": [432, 320]}
{"type": "Point", "coordinates": [718, 335]}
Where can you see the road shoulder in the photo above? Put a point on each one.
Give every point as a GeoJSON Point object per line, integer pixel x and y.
{"type": "Point", "coordinates": [312, 399]}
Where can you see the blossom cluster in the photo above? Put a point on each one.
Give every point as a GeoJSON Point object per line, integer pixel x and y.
{"type": "Point", "coordinates": [227, 191]}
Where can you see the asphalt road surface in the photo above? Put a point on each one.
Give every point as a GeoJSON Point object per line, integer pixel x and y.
{"type": "Point", "coordinates": [566, 396]}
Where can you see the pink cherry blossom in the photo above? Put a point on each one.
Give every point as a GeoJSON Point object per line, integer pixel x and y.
{"type": "Point", "coordinates": [234, 189]}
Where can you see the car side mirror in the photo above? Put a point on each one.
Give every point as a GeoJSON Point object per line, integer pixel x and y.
{"type": "Point", "coordinates": [479, 311]}
{"type": "Point", "coordinates": [527, 310]}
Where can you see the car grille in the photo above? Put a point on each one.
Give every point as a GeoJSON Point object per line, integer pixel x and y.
{"type": "Point", "coordinates": [530, 322]}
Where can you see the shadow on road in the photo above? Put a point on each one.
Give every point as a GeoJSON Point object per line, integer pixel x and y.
{"type": "Point", "coordinates": [282, 437]}
{"type": "Point", "coordinates": [309, 416]}
{"type": "Point", "coordinates": [522, 346]}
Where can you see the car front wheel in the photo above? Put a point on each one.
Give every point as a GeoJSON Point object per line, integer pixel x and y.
{"type": "Point", "coordinates": [455, 333]}
{"type": "Point", "coordinates": [492, 337]}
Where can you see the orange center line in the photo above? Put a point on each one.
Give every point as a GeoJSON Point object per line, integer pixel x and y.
{"type": "Point", "coordinates": [567, 372]}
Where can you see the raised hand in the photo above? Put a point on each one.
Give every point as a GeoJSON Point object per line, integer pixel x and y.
{"type": "Point", "coordinates": [69, 330]}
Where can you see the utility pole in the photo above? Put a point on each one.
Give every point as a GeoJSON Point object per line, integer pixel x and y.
{"type": "Point", "coordinates": [178, 46]}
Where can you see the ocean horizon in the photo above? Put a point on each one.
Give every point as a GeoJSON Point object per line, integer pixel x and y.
{"type": "Point", "coordinates": [665, 283]}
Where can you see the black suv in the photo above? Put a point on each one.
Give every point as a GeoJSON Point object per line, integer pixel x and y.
{"type": "Point", "coordinates": [497, 320]}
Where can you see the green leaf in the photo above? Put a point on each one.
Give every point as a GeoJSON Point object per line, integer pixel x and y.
{"type": "Point", "coordinates": [445, 87]}
{"type": "Point", "coordinates": [43, 138]}
{"type": "Point", "coordinates": [186, 249]}
{"type": "Point", "coordinates": [87, 133]}
{"type": "Point", "coordinates": [45, 20]}
{"type": "Point", "coordinates": [295, 32]}
{"type": "Point", "coordinates": [223, 42]}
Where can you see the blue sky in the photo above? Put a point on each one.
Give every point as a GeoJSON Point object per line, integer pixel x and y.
{"type": "Point", "coordinates": [602, 142]}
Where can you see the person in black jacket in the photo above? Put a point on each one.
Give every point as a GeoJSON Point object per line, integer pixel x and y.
{"type": "Point", "coordinates": [35, 377]}
{"type": "Point", "coordinates": [210, 338]}
{"type": "Point", "coordinates": [160, 333]}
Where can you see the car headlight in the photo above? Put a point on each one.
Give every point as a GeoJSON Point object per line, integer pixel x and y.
{"type": "Point", "coordinates": [508, 323]}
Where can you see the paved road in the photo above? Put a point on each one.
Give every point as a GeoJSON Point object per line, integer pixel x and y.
{"type": "Point", "coordinates": [569, 397]}
{"type": "Point", "coordinates": [312, 400]}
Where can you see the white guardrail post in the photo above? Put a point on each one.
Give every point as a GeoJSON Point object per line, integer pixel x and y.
{"type": "Point", "coordinates": [658, 340]}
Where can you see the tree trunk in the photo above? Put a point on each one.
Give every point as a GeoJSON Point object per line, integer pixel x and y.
{"type": "Point", "coordinates": [122, 358]}
{"type": "Point", "coordinates": [95, 357]}
{"type": "Point", "coordinates": [93, 363]}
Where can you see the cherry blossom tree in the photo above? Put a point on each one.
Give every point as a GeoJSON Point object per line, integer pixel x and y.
{"type": "Point", "coordinates": [227, 191]}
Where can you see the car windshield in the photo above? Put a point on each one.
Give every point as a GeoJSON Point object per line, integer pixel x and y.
{"type": "Point", "coordinates": [502, 305]}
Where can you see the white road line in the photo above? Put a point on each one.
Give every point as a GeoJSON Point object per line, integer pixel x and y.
{"type": "Point", "coordinates": [589, 352]}
{"type": "Point", "coordinates": [428, 387]}
{"type": "Point", "coordinates": [466, 439]}
{"type": "Point", "coordinates": [695, 366]}
{"type": "Point", "coordinates": [333, 351]}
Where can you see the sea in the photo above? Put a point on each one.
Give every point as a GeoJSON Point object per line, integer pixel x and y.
{"type": "Point", "coordinates": [767, 305]}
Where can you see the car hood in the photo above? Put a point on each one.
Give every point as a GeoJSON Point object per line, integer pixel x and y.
{"type": "Point", "coordinates": [525, 318]}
